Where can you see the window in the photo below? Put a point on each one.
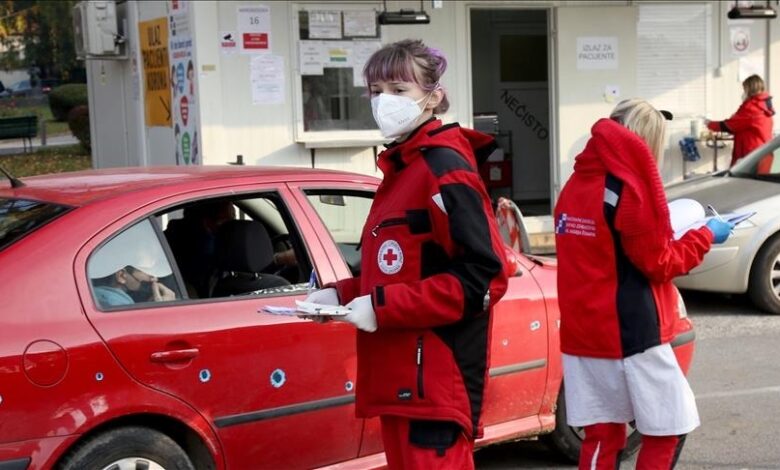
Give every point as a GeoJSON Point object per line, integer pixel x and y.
{"type": "Point", "coordinates": [19, 217]}
{"type": "Point", "coordinates": [237, 246]}
{"type": "Point", "coordinates": [334, 41]}
{"type": "Point", "coordinates": [344, 215]}
{"type": "Point", "coordinates": [130, 269]}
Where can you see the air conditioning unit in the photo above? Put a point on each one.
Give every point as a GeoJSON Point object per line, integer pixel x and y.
{"type": "Point", "coordinates": [96, 31]}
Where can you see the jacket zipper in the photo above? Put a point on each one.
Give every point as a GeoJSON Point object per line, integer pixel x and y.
{"type": "Point", "coordinates": [388, 223]}
{"type": "Point", "coordinates": [420, 390]}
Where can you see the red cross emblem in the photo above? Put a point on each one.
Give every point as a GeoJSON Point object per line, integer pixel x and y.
{"type": "Point", "coordinates": [390, 257]}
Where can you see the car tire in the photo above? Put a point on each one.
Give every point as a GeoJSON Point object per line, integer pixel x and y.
{"type": "Point", "coordinates": [128, 448]}
{"type": "Point", "coordinates": [764, 282]}
{"type": "Point", "coordinates": [567, 440]}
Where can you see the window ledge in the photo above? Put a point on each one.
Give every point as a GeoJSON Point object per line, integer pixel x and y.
{"type": "Point", "coordinates": [335, 141]}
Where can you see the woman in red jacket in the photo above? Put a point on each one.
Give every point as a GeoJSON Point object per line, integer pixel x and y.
{"type": "Point", "coordinates": [616, 261]}
{"type": "Point", "coordinates": [751, 125]}
{"type": "Point", "coordinates": [432, 268]}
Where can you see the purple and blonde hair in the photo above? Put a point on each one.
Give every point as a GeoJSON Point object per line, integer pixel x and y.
{"type": "Point", "coordinates": [409, 61]}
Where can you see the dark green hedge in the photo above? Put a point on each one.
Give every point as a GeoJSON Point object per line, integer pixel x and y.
{"type": "Point", "coordinates": [78, 121]}
{"type": "Point", "coordinates": [64, 98]}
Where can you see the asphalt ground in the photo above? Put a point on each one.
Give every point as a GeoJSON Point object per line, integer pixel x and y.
{"type": "Point", "coordinates": [736, 379]}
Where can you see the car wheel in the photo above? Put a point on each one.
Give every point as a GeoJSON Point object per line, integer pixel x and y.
{"type": "Point", "coordinates": [567, 440]}
{"type": "Point", "coordinates": [128, 448]}
{"type": "Point", "coordinates": [764, 284]}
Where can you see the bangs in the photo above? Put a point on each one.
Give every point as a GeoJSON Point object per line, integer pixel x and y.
{"type": "Point", "coordinates": [390, 64]}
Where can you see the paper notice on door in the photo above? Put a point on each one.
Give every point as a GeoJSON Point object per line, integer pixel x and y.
{"type": "Point", "coordinates": [254, 28]}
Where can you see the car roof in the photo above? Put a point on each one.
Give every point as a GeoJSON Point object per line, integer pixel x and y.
{"type": "Point", "coordinates": [84, 187]}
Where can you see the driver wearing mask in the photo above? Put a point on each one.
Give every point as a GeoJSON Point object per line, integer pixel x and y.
{"type": "Point", "coordinates": [127, 271]}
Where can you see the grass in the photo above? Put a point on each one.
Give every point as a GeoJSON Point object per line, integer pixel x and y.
{"type": "Point", "coordinates": [8, 108]}
{"type": "Point", "coordinates": [47, 160]}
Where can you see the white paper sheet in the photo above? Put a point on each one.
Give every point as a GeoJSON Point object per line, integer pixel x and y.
{"type": "Point", "coordinates": [360, 23]}
{"type": "Point", "coordinates": [324, 24]}
{"type": "Point", "coordinates": [254, 28]}
{"type": "Point", "coordinates": [312, 57]}
{"type": "Point", "coordinates": [266, 75]}
{"type": "Point", "coordinates": [361, 52]}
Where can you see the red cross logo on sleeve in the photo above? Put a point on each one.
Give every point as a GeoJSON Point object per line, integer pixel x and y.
{"type": "Point", "coordinates": [390, 257]}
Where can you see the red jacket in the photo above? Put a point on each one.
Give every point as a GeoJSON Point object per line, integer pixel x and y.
{"type": "Point", "coordinates": [433, 262]}
{"type": "Point", "coordinates": [616, 255]}
{"type": "Point", "coordinates": [751, 125]}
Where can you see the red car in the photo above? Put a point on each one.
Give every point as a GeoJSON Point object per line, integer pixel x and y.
{"type": "Point", "coordinates": [132, 335]}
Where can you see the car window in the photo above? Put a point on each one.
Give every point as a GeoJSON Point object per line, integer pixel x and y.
{"type": "Point", "coordinates": [130, 269]}
{"type": "Point", "coordinates": [344, 214]}
{"type": "Point", "coordinates": [237, 246]}
{"type": "Point", "coordinates": [762, 163]}
{"type": "Point", "coordinates": [20, 217]}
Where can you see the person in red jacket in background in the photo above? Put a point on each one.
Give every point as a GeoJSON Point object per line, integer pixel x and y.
{"type": "Point", "coordinates": [751, 125]}
{"type": "Point", "coordinates": [432, 268]}
{"type": "Point", "coordinates": [616, 260]}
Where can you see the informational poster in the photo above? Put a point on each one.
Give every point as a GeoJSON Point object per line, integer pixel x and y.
{"type": "Point", "coordinates": [227, 42]}
{"type": "Point", "coordinates": [324, 24]}
{"type": "Point", "coordinates": [312, 57]}
{"type": "Point", "coordinates": [361, 52]}
{"type": "Point", "coordinates": [184, 89]}
{"type": "Point", "coordinates": [266, 75]}
{"type": "Point", "coordinates": [597, 53]}
{"type": "Point", "coordinates": [153, 36]}
{"type": "Point", "coordinates": [254, 28]}
{"type": "Point", "coordinates": [359, 23]}
{"type": "Point", "coordinates": [338, 54]}
{"type": "Point", "coordinates": [740, 40]}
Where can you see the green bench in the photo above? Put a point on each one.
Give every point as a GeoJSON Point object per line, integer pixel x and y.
{"type": "Point", "coordinates": [19, 127]}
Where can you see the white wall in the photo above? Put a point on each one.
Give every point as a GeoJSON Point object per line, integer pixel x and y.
{"type": "Point", "coordinates": [264, 134]}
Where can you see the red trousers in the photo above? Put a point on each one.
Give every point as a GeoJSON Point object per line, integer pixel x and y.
{"type": "Point", "coordinates": [604, 442]}
{"type": "Point", "coordinates": [402, 454]}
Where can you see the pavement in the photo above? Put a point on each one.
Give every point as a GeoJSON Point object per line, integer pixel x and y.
{"type": "Point", "coordinates": [15, 146]}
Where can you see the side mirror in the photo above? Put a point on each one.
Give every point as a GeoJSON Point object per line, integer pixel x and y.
{"type": "Point", "coordinates": [332, 199]}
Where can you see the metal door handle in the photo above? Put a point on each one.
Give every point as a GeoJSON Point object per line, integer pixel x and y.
{"type": "Point", "coordinates": [177, 355]}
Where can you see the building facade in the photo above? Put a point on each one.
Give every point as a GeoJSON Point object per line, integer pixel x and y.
{"type": "Point", "coordinates": [279, 82]}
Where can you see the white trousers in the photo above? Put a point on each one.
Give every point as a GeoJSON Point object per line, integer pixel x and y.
{"type": "Point", "coordinates": [648, 387]}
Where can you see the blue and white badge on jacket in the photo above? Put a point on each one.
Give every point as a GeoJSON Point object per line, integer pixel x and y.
{"type": "Point", "coordinates": [390, 257]}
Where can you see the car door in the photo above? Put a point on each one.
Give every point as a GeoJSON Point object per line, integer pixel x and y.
{"type": "Point", "coordinates": [519, 343]}
{"type": "Point", "coordinates": [277, 389]}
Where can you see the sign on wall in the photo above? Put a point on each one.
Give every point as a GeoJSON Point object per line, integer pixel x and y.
{"type": "Point", "coordinates": [254, 28]}
{"type": "Point", "coordinates": [184, 87]}
{"type": "Point", "coordinates": [153, 36]}
{"type": "Point", "coordinates": [597, 53]}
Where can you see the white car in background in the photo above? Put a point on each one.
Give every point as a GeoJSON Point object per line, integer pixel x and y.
{"type": "Point", "coordinates": [749, 262]}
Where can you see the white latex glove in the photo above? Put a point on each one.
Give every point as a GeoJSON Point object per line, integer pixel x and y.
{"type": "Point", "coordinates": [327, 296]}
{"type": "Point", "coordinates": [362, 314]}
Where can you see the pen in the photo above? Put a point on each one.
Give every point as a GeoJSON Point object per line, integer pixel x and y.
{"type": "Point", "coordinates": [312, 281]}
{"type": "Point", "coordinates": [712, 209]}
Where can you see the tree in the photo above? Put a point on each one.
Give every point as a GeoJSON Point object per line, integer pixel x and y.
{"type": "Point", "coordinates": [38, 35]}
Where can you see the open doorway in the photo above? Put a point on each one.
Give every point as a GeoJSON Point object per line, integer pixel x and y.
{"type": "Point", "coordinates": [511, 98]}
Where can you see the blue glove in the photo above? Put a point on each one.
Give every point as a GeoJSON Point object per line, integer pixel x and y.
{"type": "Point", "coordinates": [720, 229]}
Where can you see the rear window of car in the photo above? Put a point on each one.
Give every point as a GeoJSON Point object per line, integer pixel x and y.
{"type": "Point", "coordinates": [20, 217]}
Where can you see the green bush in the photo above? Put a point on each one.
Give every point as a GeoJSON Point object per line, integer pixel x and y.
{"type": "Point", "coordinates": [78, 121]}
{"type": "Point", "coordinates": [64, 98]}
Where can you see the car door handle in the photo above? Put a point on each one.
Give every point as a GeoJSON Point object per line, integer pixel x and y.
{"type": "Point", "coordinates": [176, 355]}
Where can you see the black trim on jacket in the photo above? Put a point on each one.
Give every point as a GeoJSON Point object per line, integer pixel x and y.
{"type": "Point", "coordinates": [636, 308]}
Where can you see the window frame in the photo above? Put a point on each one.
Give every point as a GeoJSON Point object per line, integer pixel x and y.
{"type": "Point", "coordinates": [329, 138]}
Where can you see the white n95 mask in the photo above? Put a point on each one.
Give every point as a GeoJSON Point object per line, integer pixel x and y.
{"type": "Point", "coordinates": [395, 115]}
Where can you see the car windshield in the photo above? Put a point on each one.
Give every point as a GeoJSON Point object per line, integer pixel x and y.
{"type": "Point", "coordinates": [762, 163]}
{"type": "Point", "coordinates": [19, 217]}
